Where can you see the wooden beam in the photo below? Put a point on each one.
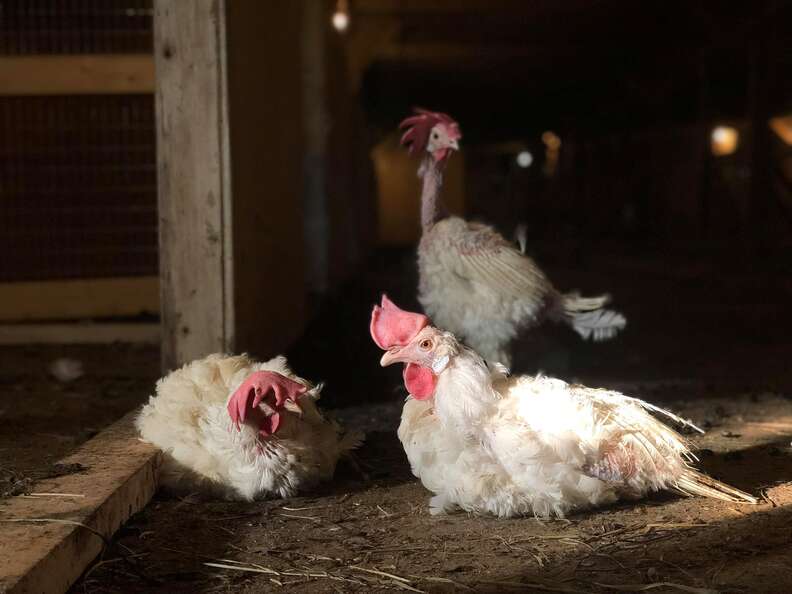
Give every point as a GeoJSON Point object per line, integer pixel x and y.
{"type": "Point", "coordinates": [79, 298]}
{"type": "Point", "coordinates": [84, 74]}
{"type": "Point", "coordinates": [79, 333]}
{"type": "Point", "coordinates": [193, 173]}
{"type": "Point", "coordinates": [229, 133]}
{"type": "Point", "coordinates": [115, 477]}
{"type": "Point", "coordinates": [379, 7]}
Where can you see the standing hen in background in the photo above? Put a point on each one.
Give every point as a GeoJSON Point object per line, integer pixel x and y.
{"type": "Point", "coordinates": [486, 442]}
{"type": "Point", "coordinates": [474, 282]}
{"type": "Point", "coordinates": [239, 429]}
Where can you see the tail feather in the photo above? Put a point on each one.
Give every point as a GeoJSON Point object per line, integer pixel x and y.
{"type": "Point", "coordinates": [573, 303]}
{"type": "Point", "coordinates": [588, 318]}
{"type": "Point", "coordinates": [600, 324]}
{"type": "Point", "coordinates": [693, 482]}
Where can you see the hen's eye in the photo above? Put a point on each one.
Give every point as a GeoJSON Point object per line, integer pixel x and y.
{"type": "Point", "coordinates": [435, 136]}
{"type": "Point", "coordinates": [426, 344]}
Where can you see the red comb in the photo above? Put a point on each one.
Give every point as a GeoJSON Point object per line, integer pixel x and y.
{"type": "Point", "coordinates": [392, 326]}
{"type": "Point", "coordinates": [420, 125]}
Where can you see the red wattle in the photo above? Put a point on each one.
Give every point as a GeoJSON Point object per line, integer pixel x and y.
{"type": "Point", "coordinates": [420, 381]}
{"type": "Point", "coordinates": [441, 154]}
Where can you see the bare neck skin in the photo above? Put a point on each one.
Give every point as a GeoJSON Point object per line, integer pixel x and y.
{"type": "Point", "coordinates": [432, 209]}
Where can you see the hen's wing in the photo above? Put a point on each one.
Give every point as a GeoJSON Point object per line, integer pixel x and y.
{"type": "Point", "coordinates": [482, 256]}
{"type": "Point", "coordinates": [624, 440]}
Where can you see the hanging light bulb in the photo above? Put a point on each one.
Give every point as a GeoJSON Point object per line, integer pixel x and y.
{"type": "Point", "coordinates": [724, 140]}
{"type": "Point", "coordinates": [341, 16]}
{"type": "Point", "coordinates": [524, 159]}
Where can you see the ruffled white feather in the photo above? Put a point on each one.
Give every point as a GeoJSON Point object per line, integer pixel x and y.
{"type": "Point", "coordinates": [204, 452]}
{"type": "Point", "coordinates": [508, 446]}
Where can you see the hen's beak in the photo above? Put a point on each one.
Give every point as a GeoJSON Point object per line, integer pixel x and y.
{"type": "Point", "coordinates": [453, 144]}
{"type": "Point", "coordinates": [395, 355]}
{"type": "Point", "coordinates": [292, 406]}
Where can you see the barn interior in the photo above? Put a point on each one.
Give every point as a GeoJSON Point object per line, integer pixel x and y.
{"type": "Point", "coordinates": [185, 178]}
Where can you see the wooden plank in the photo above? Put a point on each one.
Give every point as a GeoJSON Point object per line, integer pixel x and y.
{"type": "Point", "coordinates": [79, 298]}
{"type": "Point", "coordinates": [193, 179]}
{"type": "Point", "coordinates": [422, 7]}
{"type": "Point", "coordinates": [79, 333]}
{"type": "Point", "coordinates": [84, 74]}
{"type": "Point", "coordinates": [47, 557]}
{"type": "Point", "coordinates": [230, 163]}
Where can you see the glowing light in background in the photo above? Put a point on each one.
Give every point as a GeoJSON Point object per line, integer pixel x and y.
{"type": "Point", "coordinates": [724, 140]}
{"type": "Point", "coordinates": [551, 140]}
{"type": "Point", "coordinates": [783, 127]}
{"type": "Point", "coordinates": [524, 159]}
{"type": "Point", "coordinates": [552, 144]}
{"type": "Point", "coordinates": [341, 16]}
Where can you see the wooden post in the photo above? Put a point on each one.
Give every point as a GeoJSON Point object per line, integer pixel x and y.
{"type": "Point", "coordinates": [193, 179]}
{"type": "Point", "coordinates": [229, 129]}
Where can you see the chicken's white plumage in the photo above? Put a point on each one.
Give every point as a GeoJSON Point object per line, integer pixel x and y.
{"type": "Point", "coordinates": [474, 282]}
{"type": "Point", "coordinates": [489, 443]}
{"type": "Point", "coordinates": [204, 451]}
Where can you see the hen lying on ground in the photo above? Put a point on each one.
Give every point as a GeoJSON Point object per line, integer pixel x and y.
{"type": "Point", "coordinates": [238, 429]}
{"type": "Point", "coordinates": [489, 443]}
{"type": "Point", "coordinates": [475, 283]}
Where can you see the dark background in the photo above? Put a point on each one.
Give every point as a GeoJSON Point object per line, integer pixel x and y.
{"type": "Point", "coordinates": [693, 246]}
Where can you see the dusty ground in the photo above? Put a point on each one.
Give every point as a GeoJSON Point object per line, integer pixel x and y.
{"type": "Point", "coordinates": [706, 340]}
{"type": "Point", "coordinates": [376, 535]}
{"type": "Point", "coordinates": [41, 418]}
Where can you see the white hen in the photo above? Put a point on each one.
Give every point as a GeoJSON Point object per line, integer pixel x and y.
{"type": "Point", "coordinates": [489, 443]}
{"type": "Point", "coordinates": [238, 429]}
{"type": "Point", "coordinates": [473, 281]}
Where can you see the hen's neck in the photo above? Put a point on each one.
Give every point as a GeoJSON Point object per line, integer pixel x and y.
{"type": "Point", "coordinates": [465, 397]}
{"type": "Point", "coordinates": [432, 209]}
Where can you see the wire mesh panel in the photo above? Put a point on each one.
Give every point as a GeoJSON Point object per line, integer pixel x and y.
{"type": "Point", "coordinates": [75, 26]}
{"type": "Point", "coordinates": [77, 187]}
{"type": "Point", "coordinates": [77, 174]}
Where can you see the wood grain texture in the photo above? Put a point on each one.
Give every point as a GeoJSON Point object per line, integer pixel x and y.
{"type": "Point", "coordinates": [84, 74]}
{"type": "Point", "coordinates": [193, 182]}
{"type": "Point", "coordinates": [118, 480]}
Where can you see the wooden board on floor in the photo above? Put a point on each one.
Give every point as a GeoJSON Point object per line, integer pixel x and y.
{"type": "Point", "coordinates": [48, 555]}
{"type": "Point", "coordinates": [84, 74]}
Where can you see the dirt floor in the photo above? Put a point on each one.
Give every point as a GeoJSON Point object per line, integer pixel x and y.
{"type": "Point", "coordinates": [42, 418]}
{"type": "Point", "coordinates": [373, 535]}
{"type": "Point", "coordinates": [708, 341]}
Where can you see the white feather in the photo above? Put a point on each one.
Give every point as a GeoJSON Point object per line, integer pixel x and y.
{"type": "Point", "coordinates": [600, 324]}
{"type": "Point", "coordinates": [188, 420]}
{"type": "Point", "coordinates": [508, 446]}
{"type": "Point", "coordinates": [475, 284]}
